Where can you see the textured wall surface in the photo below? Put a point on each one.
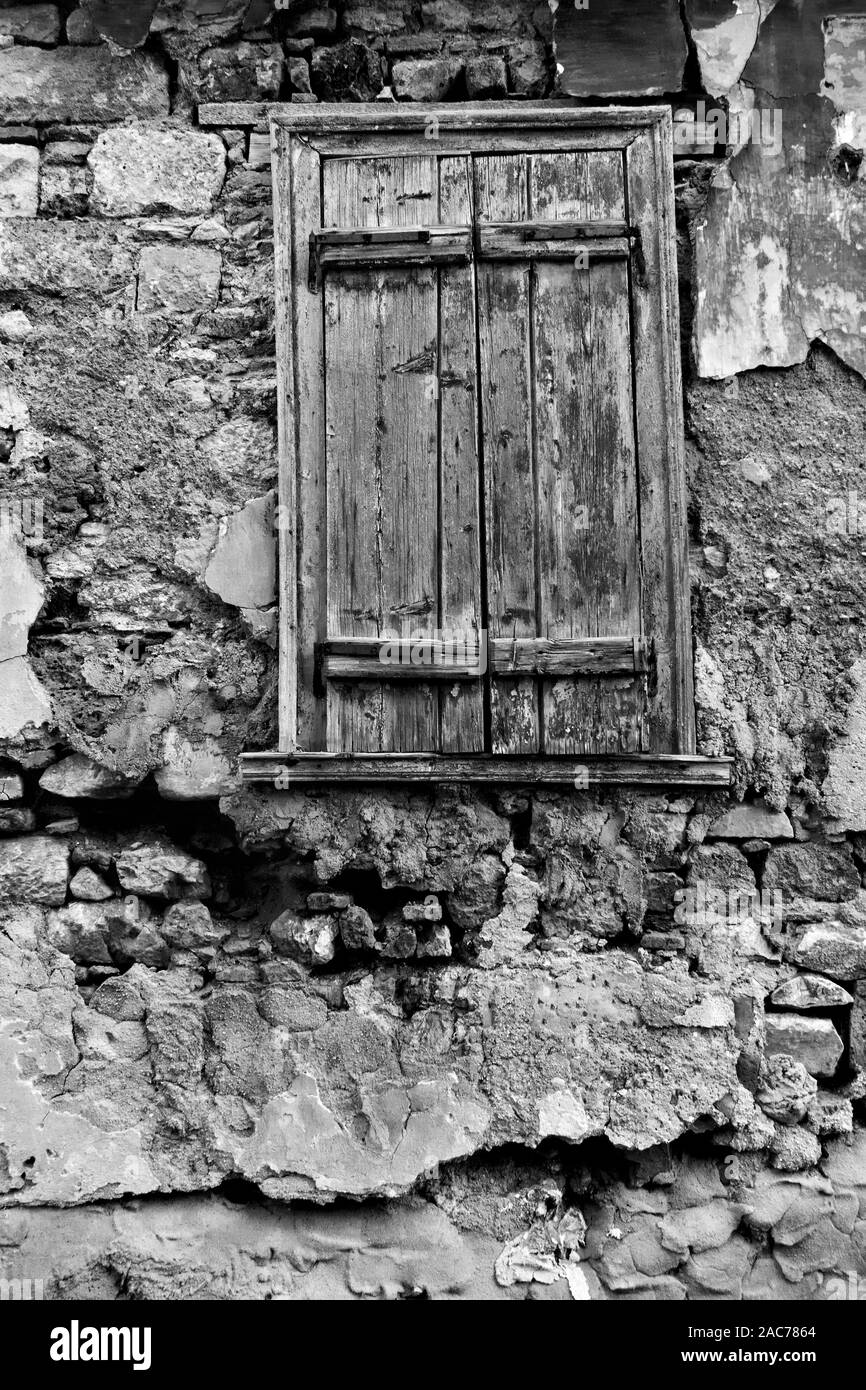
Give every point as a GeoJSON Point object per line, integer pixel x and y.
{"type": "Point", "coordinates": [454, 1043]}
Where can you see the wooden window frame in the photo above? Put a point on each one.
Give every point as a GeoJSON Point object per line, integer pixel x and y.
{"type": "Point", "coordinates": [300, 137]}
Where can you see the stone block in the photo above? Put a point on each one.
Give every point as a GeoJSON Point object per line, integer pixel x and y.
{"type": "Point", "coordinates": [80, 84]}
{"type": "Point", "coordinates": [813, 1042]}
{"type": "Point", "coordinates": [425, 79]}
{"type": "Point", "coordinates": [138, 171]}
{"type": "Point", "coordinates": [181, 279]}
{"type": "Point", "coordinates": [34, 869]}
{"type": "Point", "coordinates": [19, 180]}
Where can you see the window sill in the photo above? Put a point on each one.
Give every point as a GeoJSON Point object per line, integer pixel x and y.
{"type": "Point", "coordinates": [359, 769]}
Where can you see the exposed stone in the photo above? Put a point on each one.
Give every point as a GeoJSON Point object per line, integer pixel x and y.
{"type": "Point", "coordinates": [87, 885]}
{"type": "Point", "coordinates": [80, 84]}
{"type": "Point", "coordinates": [125, 25]}
{"type": "Point", "coordinates": [795, 1149]}
{"type": "Point", "coordinates": [15, 327]}
{"type": "Point", "coordinates": [34, 869]}
{"type": "Point", "coordinates": [845, 784]}
{"type": "Point", "coordinates": [424, 79]}
{"type": "Point", "coordinates": [64, 190]}
{"type": "Point", "coordinates": [79, 776]}
{"type": "Point", "coordinates": [398, 937]}
{"type": "Point", "coordinates": [812, 870]}
{"type": "Point", "coordinates": [31, 23]}
{"type": "Point", "coordinates": [155, 867]}
{"type": "Point", "coordinates": [434, 943]}
{"type": "Point", "coordinates": [328, 902]}
{"type": "Point", "coordinates": [486, 77]}
{"type": "Point", "coordinates": [527, 69]}
{"type": "Point", "coordinates": [752, 820]}
{"type": "Point", "coordinates": [830, 1114]}
{"type": "Point", "coordinates": [139, 171]}
{"type": "Point", "coordinates": [810, 992]}
{"type": "Point", "coordinates": [178, 279]}
{"type": "Point", "coordinates": [243, 72]}
{"type": "Point", "coordinates": [299, 75]}
{"type": "Point", "coordinates": [81, 932]}
{"type": "Point", "coordinates": [812, 1041]}
{"type": "Point", "coordinates": [188, 926]}
{"type": "Point", "coordinates": [858, 1028]}
{"type": "Point", "coordinates": [19, 179]}
{"type": "Point", "coordinates": [15, 820]}
{"type": "Point", "coordinates": [347, 72]}
{"type": "Point", "coordinates": [80, 28]}
{"type": "Point", "coordinates": [785, 1089]}
{"type": "Point", "coordinates": [476, 897]}
{"type": "Point", "coordinates": [133, 935]}
{"type": "Point", "coordinates": [311, 940]}
{"type": "Point", "coordinates": [357, 929]}
{"type": "Point", "coordinates": [832, 949]}
{"type": "Point", "coordinates": [318, 21]}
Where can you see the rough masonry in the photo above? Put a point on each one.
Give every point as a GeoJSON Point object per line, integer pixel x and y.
{"type": "Point", "coordinates": [443, 1043]}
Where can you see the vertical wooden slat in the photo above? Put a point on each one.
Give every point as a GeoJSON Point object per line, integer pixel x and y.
{"type": "Point", "coordinates": [660, 436]}
{"type": "Point", "coordinates": [586, 467]}
{"type": "Point", "coordinates": [382, 438]}
{"type": "Point", "coordinates": [501, 195]}
{"type": "Point", "coordinates": [306, 356]}
{"type": "Point", "coordinates": [461, 705]}
{"type": "Point", "coordinates": [287, 694]}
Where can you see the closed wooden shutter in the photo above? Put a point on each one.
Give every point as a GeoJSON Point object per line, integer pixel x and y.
{"type": "Point", "coordinates": [481, 487]}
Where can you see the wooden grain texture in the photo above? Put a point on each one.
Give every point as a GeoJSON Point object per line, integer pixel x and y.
{"type": "Point", "coordinates": [359, 658]}
{"type": "Point", "coordinates": [496, 244]}
{"type": "Point", "coordinates": [287, 510]}
{"type": "Point", "coordinates": [439, 247]}
{"type": "Point", "coordinates": [587, 485]}
{"type": "Point", "coordinates": [505, 383]}
{"type": "Point", "coordinates": [307, 482]}
{"type": "Point", "coordinates": [503, 770]}
{"type": "Point", "coordinates": [660, 440]}
{"type": "Point", "coordinates": [563, 657]}
{"type": "Point", "coordinates": [382, 441]}
{"type": "Point", "coordinates": [470, 118]}
{"type": "Point", "coordinates": [461, 706]}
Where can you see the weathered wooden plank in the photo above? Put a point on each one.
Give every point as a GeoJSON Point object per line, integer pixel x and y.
{"type": "Point", "coordinates": [287, 509]}
{"type": "Point", "coordinates": [555, 229]}
{"type": "Point", "coordinates": [461, 705]}
{"type": "Point", "coordinates": [484, 117]}
{"type": "Point", "coordinates": [301, 515]}
{"type": "Point", "coordinates": [380, 340]}
{"type": "Point", "coordinates": [498, 245]}
{"type": "Point", "coordinates": [660, 443]}
{"type": "Point", "coordinates": [567, 657]}
{"type": "Point", "coordinates": [360, 658]}
{"type": "Point", "coordinates": [622, 770]}
{"type": "Point", "coordinates": [425, 246]}
{"type": "Point", "coordinates": [505, 355]}
{"type": "Point", "coordinates": [587, 485]}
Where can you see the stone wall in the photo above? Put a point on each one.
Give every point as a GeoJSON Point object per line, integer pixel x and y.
{"type": "Point", "coordinates": [529, 1045]}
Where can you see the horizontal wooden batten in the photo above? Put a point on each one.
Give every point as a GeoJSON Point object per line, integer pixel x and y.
{"type": "Point", "coordinates": [553, 240]}
{"type": "Point", "coordinates": [588, 656]}
{"type": "Point", "coordinates": [357, 247]}
{"type": "Point", "coordinates": [627, 769]}
{"type": "Point", "coordinates": [362, 658]}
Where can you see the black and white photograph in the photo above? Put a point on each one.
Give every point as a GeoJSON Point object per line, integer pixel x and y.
{"type": "Point", "coordinates": [433, 669]}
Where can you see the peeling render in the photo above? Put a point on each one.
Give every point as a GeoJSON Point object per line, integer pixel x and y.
{"type": "Point", "coordinates": [415, 1043]}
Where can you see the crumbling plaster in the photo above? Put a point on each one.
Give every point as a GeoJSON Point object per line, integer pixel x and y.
{"type": "Point", "coordinates": [510, 1044]}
